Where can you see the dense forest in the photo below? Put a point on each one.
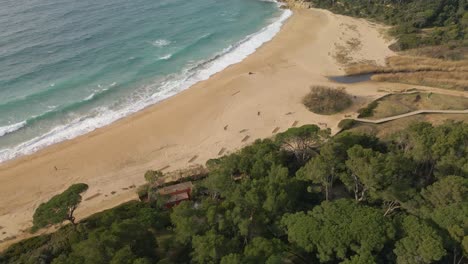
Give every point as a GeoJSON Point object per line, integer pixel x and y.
{"type": "Point", "coordinates": [301, 197]}
{"type": "Point", "coordinates": [416, 22]}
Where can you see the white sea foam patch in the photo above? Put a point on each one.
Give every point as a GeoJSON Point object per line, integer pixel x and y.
{"type": "Point", "coordinates": [161, 43]}
{"type": "Point", "coordinates": [165, 57]}
{"type": "Point", "coordinates": [11, 128]}
{"type": "Point", "coordinates": [89, 97]}
{"type": "Point", "coordinates": [171, 86]}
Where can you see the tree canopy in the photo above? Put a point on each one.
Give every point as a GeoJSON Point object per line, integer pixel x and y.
{"type": "Point", "coordinates": [398, 200]}
{"type": "Point", "coordinates": [60, 207]}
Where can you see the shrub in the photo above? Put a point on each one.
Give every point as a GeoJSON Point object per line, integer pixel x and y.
{"type": "Point", "coordinates": [368, 110]}
{"type": "Point", "coordinates": [142, 192]}
{"type": "Point", "coordinates": [346, 124]}
{"type": "Point", "coordinates": [325, 100]}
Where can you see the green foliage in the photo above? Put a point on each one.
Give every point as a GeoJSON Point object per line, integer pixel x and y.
{"type": "Point", "coordinates": [346, 124]}
{"type": "Point", "coordinates": [339, 229]}
{"type": "Point", "coordinates": [152, 176]}
{"type": "Point", "coordinates": [187, 222]}
{"type": "Point", "coordinates": [59, 208]}
{"type": "Point", "coordinates": [420, 244]}
{"type": "Point", "coordinates": [120, 235]}
{"type": "Point", "coordinates": [318, 171]}
{"type": "Point", "coordinates": [265, 204]}
{"type": "Point", "coordinates": [439, 150]}
{"type": "Point", "coordinates": [415, 23]}
{"type": "Point", "coordinates": [208, 248]}
{"type": "Point", "coordinates": [302, 141]}
{"type": "Point", "coordinates": [142, 191]}
{"type": "Point", "coordinates": [261, 249]}
{"type": "Point", "coordinates": [449, 190]}
{"type": "Point", "coordinates": [368, 111]}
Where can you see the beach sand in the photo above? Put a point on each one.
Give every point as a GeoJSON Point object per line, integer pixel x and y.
{"type": "Point", "coordinates": [221, 114]}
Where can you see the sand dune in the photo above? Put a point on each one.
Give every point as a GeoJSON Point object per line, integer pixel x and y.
{"type": "Point", "coordinates": [217, 116]}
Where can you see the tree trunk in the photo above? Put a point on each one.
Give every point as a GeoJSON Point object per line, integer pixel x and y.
{"type": "Point", "coordinates": [391, 207]}
{"type": "Point", "coordinates": [326, 192]}
{"type": "Point", "coordinates": [70, 216]}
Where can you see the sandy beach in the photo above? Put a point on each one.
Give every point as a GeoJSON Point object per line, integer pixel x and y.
{"type": "Point", "coordinates": [249, 100]}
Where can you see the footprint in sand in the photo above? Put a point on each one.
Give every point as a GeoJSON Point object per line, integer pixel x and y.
{"type": "Point", "coordinates": [165, 167]}
{"type": "Point", "coordinates": [193, 159]}
{"type": "Point", "coordinates": [221, 151]}
{"type": "Point", "coordinates": [92, 196]}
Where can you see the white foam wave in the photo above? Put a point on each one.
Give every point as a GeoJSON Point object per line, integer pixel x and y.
{"type": "Point", "coordinates": [11, 128]}
{"type": "Point", "coordinates": [173, 85]}
{"type": "Point", "coordinates": [165, 57]}
{"type": "Point", "coordinates": [89, 97]}
{"type": "Point", "coordinates": [159, 43]}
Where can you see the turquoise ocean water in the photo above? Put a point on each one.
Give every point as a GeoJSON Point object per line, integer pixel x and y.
{"type": "Point", "coordinates": [68, 67]}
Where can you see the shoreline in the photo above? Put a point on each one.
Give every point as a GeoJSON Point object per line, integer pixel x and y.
{"type": "Point", "coordinates": [228, 111]}
{"type": "Point", "coordinates": [181, 81]}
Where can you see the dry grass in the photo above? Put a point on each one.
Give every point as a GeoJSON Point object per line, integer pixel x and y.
{"type": "Point", "coordinates": [398, 64]}
{"type": "Point", "coordinates": [342, 55]}
{"type": "Point", "coordinates": [386, 129]}
{"type": "Point", "coordinates": [354, 44]}
{"type": "Point", "coordinates": [326, 100]}
{"type": "Point", "coordinates": [343, 51]}
{"type": "Point", "coordinates": [418, 70]}
{"type": "Point", "coordinates": [397, 104]}
{"type": "Point", "coordinates": [447, 80]}
{"type": "Point", "coordinates": [446, 52]}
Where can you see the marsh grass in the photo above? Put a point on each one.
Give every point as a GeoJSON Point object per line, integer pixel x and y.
{"type": "Point", "coordinates": [417, 70]}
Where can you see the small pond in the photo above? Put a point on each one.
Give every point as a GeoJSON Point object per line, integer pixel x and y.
{"type": "Point", "coordinates": [351, 78]}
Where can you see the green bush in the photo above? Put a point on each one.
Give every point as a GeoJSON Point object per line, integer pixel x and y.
{"type": "Point", "coordinates": [346, 124]}
{"type": "Point", "coordinates": [368, 111]}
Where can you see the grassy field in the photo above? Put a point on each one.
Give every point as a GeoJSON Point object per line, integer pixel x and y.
{"type": "Point", "coordinates": [386, 129]}
{"type": "Point", "coordinates": [397, 104]}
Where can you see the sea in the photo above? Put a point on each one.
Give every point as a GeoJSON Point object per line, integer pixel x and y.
{"type": "Point", "coordinates": [68, 67]}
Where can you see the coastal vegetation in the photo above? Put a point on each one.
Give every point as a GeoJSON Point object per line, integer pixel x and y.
{"type": "Point", "coordinates": [417, 70]}
{"type": "Point", "coordinates": [326, 100]}
{"type": "Point", "coordinates": [397, 104]}
{"type": "Point", "coordinates": [59, 208]}
{"type": "Point", "coordinates": [416, 23]}
{"type": "Point", "coordinates": [301, 197]}
{"type": "Point", "coordinates": [432, 37]}
{"type": "Point", "coordinates": [368, 111]}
